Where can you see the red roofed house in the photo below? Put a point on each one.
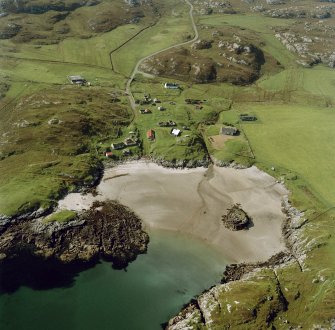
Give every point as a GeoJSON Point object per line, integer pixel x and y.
{"type": "Point", "coordinates": [151, 134]}
{"type": "Point", "coordinates": [109, 154]}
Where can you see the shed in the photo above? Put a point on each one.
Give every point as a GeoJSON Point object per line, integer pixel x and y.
{"type": "Point", "coordinates": [229, 130]}
{"type": "Point", "coordinates": [171, 86]}
{"type": "Point", "coordinates": [117, 146]}
{"type": "Point", "coordinates": [151, 134]}
{"type": "Point", "coordinates": [246, 117]}
{"type": "Point", "coordinates": [77, 80]}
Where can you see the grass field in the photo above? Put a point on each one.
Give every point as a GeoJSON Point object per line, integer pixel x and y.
{"type": "Point", "coordinates": [296, 138]}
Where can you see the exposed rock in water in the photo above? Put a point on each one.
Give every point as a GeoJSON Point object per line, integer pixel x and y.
{"type": "Point", "coordinates": [108, 230]}
{"type": "Point", "coordinates": [236, 218]}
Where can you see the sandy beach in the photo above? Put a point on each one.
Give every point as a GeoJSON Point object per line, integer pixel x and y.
{"type": "Point", "coordinates": [192, 201]}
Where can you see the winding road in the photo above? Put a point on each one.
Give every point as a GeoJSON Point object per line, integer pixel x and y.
{"type": "Point", "coordinates": [135, 71]}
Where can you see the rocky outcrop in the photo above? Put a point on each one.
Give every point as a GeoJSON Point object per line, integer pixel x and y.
{"type": "Point", "coordinates": [236, 218]}
{"type": "Point", "coordinates": [235, 62]}
{"type": "Point", "coordinates": [231, 306]}
{"type": "Point", "coordinates": [9, 30]}
{"type": "Point", "coordinates": [250, 294]}
{"type": "Point", "coordinates": [108, 230]}
{"type": "Point", "coordinates": [321, 12]}
{"type": "Point", "coordinates": [181, 163]}
{"type": "Point", "coordinates": [202, 44]}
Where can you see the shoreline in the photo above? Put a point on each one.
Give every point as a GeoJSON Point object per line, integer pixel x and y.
{"type": "Point", "coordinates": [192, 201]}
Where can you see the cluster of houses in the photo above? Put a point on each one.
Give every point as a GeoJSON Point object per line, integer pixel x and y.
{"type": "Point", "coordinates": [195, 102]}
{"type": "Point", "coordinates": [150, 134]}
{"type": "Point", "coordinates": [130, 141]}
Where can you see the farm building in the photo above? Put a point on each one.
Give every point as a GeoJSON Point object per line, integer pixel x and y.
{"type": "Point", "coordinates": [151, 134]}
{"type": "Point", "coordinates": [229, 130]}
{"type": "Point", "coordinates": [117, 146]}
{"type": "Point", "coordinates": [171, 86]}
{"type": "Point", "coordinates": [161, 108]}
{"type": "Point", "coordinates": [77, 80]}
{"type": "Point", "coordinates": [246, 117]}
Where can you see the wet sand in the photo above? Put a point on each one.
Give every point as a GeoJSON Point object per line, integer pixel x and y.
{"type": "Point", "coordinates": [192, 201]}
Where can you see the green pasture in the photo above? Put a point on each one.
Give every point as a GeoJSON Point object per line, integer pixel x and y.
{"type": "Point", "coordinates": [298, 138]}
{"type": "Point", "coordinates": [316, 82]}
{"type": "Point", "coordinates": [93, 51]}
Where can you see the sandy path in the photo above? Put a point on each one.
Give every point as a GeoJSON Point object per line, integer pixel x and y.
{"type": "Point", "coordinates": [192, 202]}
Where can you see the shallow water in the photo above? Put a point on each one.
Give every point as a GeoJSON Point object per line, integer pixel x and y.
{"type": "Point", "coordinates": [153, 289]}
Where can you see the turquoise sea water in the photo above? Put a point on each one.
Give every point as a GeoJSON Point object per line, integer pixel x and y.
{"type": "Point", "coordinates": [153, 289]}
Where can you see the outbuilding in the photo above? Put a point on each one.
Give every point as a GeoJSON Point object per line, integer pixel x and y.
{"type": "Point", "coordinates": [228, 130]}
{"type": "Point", "coordinates": [77, 80]}
{"type": "Point", "coordinates": [171, 86]}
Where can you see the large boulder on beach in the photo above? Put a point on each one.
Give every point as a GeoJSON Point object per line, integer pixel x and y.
{"type": "Point", "coordinates": [236, 218]}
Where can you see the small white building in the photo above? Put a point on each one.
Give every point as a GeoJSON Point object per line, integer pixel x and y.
{"type": "Point", "coordinates": [176, 132]}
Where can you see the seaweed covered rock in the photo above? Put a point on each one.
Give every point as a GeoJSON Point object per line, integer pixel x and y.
{"type": "Point", "coordinates": [236, 218]}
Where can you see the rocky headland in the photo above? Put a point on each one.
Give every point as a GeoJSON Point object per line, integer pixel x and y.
{"type": "Point", "coordinates": [250, 291]}
{"type": "Point", "coordinates": [107, 230]}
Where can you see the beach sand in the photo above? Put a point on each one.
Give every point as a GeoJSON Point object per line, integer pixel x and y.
{"type": "Point", "coordinates": [192, 201]}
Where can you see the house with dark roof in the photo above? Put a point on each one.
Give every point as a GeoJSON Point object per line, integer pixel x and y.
{"type": "Point", "coordinates": [118, 146]}
{"type": "Point", "coordinates": [246, 117]}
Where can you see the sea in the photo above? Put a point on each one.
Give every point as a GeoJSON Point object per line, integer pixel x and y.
{"type": "Point", "coordinates": [145, 295]}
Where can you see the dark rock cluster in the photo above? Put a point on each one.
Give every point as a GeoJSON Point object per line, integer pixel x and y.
{"type": "Point", "coordinates": [108, 230]}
